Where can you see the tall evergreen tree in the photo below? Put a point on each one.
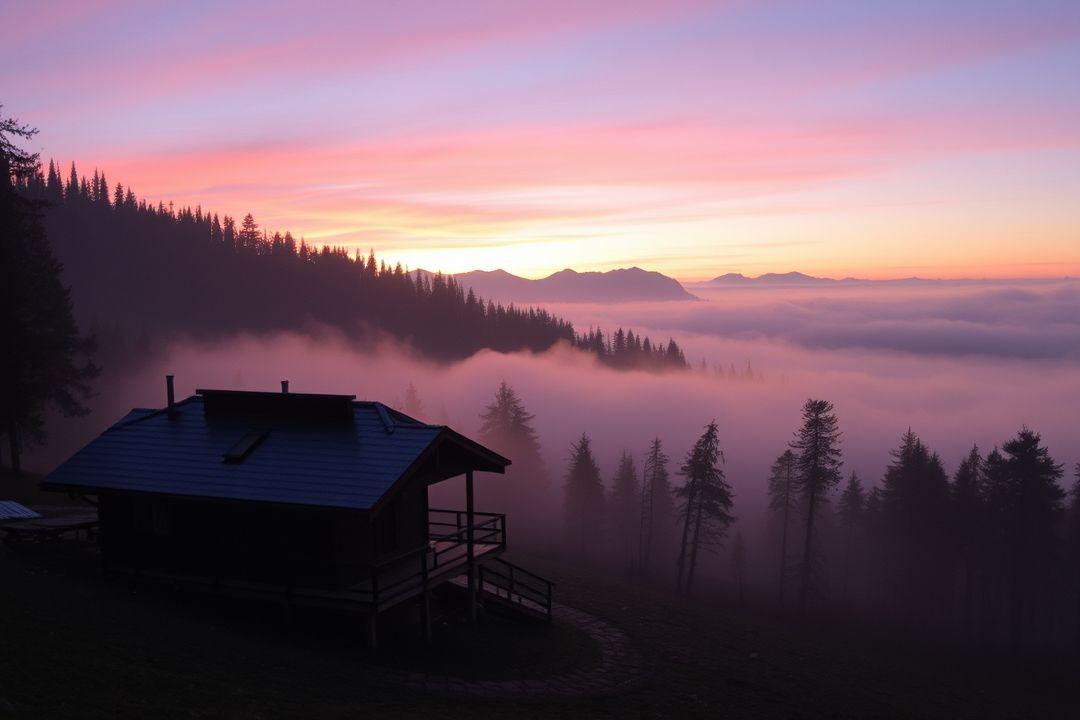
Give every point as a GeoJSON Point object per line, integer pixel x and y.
{"type": "Point", "coordinates": [624, 509]}
{"type": "Point", "coordinates": [998, 542]}
{"type": "Point", "coordinates": [413, 406]}
{"type": "Point", "coordinates": [1031, 503]}
{"type": "Point", "coordinates": [782, 496]}
{"type": "Point", "coordinates": [39, 363]}
{"type": "Point", "coordinates": [850, 510]}
{"type": "Point", "coordinates": [707, 501]}
{"type": "Point", "coordinates": [968, 523]}
{"type": "Point", "coordinates": [583, 498]}
{"type": "Point", "coordinates": [657, 510]}
{"type": "Point", "coordinates": [916, 496]}
{"type": "Point", "coordinates": [71, 192]}
{"type": "Point", "coordinates": [873, 563]}
{"type": "Point", "coordinates": [524, 493]}
{"type": "Point", "coordinates": [1073, 535]}
{"type": "Point", "coordinates": [248, 237]}
{"type": "Point", "coordinates": [817, 471]}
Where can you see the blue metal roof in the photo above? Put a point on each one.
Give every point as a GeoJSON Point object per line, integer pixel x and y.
{"type": "Point", "coordinates": [181, 452]}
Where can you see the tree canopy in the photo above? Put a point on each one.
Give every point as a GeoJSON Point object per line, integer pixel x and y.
{"type": "Point", "coordinates": [44, 357]}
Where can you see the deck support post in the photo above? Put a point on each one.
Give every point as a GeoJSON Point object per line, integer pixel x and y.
{"type": "Point", "coordinates": [470, 549]}
{"type": "Point", "coordinates": [425, 599]}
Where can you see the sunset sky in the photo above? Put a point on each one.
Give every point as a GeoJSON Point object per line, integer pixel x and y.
{"type": "Point", "coordinates": [878, 139]}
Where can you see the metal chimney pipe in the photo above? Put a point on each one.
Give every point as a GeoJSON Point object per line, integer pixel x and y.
{"type": "Point", "coordinates": [284, 386]}
{"type": "Point", "coordinates": [170, 394]}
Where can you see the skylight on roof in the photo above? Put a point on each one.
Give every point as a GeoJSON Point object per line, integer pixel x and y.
{"type": "Point", "coordinates": [244, 446]}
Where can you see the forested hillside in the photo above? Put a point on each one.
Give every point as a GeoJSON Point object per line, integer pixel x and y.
{"type": "Point", "coordinates": [141, 274]}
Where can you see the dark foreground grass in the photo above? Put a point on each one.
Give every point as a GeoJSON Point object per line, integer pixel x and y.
{"type": "Point", "coordinates": [76, 644]}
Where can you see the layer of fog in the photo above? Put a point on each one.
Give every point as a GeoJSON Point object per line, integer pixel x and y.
{"type": "Point", "coordinates": [1032, 320]}
{"type": "Point", "coordinates": [951, 401]}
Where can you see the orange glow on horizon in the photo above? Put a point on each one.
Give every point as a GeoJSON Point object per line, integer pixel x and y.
{"type": "Point", "coordinates": [535, 137]}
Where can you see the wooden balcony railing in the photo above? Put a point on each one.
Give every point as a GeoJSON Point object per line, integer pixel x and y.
{"type": "Point", "coordinates": [409, 573]}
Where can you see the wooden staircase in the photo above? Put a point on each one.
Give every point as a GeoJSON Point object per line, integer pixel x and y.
{"type": "Point", "coordinates": [505, 587]}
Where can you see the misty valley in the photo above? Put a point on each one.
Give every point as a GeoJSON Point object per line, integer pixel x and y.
{"type": "Point", "coordinates": [925, 490]}
{"type": "Point", "coordinates": [512, 359]}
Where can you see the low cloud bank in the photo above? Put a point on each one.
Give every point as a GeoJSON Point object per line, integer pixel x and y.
{"type": "Point", "coordinates": [1028, 321]}
{"type": "Point", "coordinates": [952, 402]}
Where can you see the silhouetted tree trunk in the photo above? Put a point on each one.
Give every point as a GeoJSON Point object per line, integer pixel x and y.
{"type": "Point", "coordinates": [817, 450]}
{"type": "Point", "coordinates": [967, 509]}
{"type": "Point", "coordinates": [583, 498]}
{"type": "Point", "coordinates": [37, 324]}
{"type": "Point", "coordinates": [694, 545]}
{"type": "Point", "coordinates": [781, 497]}
{"type": "Point", "coordinates": [1032, 498]}
{"type": "Point", "coordinates": [1074, 537]}
{"type": "Point", "coordinates": [690, 503]}
{"type": "Point", "coordinates": [624, 507]}
{"type": "Point", "coordinates": [850, 509]}
{"type": "Point", "coordinates": [655, 505]}
{"type": "Point", "coordinates": [808, 550]}
{"type": "Point", "coordinates": [708, 503]}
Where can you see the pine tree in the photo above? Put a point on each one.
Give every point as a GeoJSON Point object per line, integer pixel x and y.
{"type": "Point", "coordinates": [817, 471]}
{"type": "Point", "coordinates": [524, 493]}
{"type": "Point", "coordinates": [412, 406]}
{"type": "Point", "coordinates": [850, 509]}
{"type": "Point", "coordinates": [583, 497]}
{"type": "Point", "coordinates": [624, 506]}
{"type": "Point", "coordinates": [657, 510]}
{"type": "Point", "coordinates": [707, 500]}
{"type": "Point", "coordinates": [103, 190]}
{"type": "Point", "coordinates": [873, 563]}
{"type": "Point", "coordinates": [968, 501]}
{"type": "Point", "coordinates": [41, 340]}
{"type": "Point", "coordinates": [248, 237]}
{"type": "Point", "coordinates": [782, 501]}
{"type": "Point", "coordinates": [916, 498]}
{"type": "Point", "coordinates": [1073, 534]}
{"type": "Point", "coordinates": [1032, 502]}
{"type": "Point", "coordinates": [71, 192]}
{"type": "Point", "coordinates": [54, 190]}
{"type": "Point", "coordinates": [228, 234]}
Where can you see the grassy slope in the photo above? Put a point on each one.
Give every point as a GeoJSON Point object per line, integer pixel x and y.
{"type": "Point", "coordinates": [74, 644]}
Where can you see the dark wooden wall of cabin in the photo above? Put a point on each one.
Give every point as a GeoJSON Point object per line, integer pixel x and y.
{"type": "Point", "coordinates": [401, 523]}
{"type": "Point", "coordinates": [314, 547]}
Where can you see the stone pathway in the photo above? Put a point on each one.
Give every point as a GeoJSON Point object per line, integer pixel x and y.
{"type": "Point", "coordinates": [619, 669]}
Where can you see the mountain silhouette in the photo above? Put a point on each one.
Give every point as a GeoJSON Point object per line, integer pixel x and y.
{"type": "Point", "coordinates": [613, 286]}
{"type": "Point", "coordinates": [796, 279]}
{"type": "Point", "coordinates": [788, 278]}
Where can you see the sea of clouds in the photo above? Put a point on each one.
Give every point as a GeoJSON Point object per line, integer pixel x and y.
{"type": "Point", "coordinates": [960, 364]}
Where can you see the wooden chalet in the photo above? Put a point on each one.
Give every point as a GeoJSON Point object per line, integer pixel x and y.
{"type": "Point", "coordinates": [310, 499]}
